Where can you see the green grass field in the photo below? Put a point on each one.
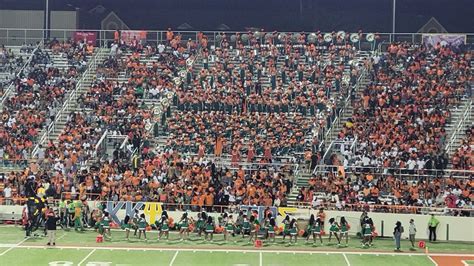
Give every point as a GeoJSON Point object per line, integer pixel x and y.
{"type": "Point", "coordinates": [74, 248]}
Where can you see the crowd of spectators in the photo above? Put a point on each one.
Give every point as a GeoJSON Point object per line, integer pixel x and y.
{"type": "Point", "coordinates": [250, 134]}
{"type": "Point", "coordinates": [288, 79]}
{"type": "Point", "coordinates": [76, 53]}
{"type": "Point", "coordinates": [10, 64]}
{"type": "Point", "coordinates": [157, 176]}
{"type": "Point", "coordinates": [39, 91]}
{"type": "Point", "coordinates": [463, 157]}
{"type": "Point", "coordinates": [278, 96]}
{"type": "Point", "coordinates": [385, 190]}
{"type": "Point", "coordinates": [401, 116]}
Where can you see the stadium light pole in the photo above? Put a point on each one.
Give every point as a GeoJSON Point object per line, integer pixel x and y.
{"type": "Point", "coordinates": [393, 15]}
{"type": "Point", "coordinates": [46, 24]}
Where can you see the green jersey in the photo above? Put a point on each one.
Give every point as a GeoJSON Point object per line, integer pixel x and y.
{"type": "Point", "coordinates": [125, 225]}
{"type": "Point", "coordinates": [71, 207]}
{"type": "Point", "coordinates": [209, 227]}
{"type": "Point", "coordinates": [316, 227]}
{"type": "Point", "coordinates": [184, 224]}
{"type": "Point", "coordinates": [367, 229]}
{"type": "Point", "coordinates": [200, 223]}
{"type": "Point", "coordinates": [106, 222]}
{"type": "Point", "coordinates": [344, 228]}
{"type": "Point", "coordinates": [246, 224]}
{"type": "Point", "coordinates": [334, 227]}
{"type": "Point", "coordinates": [142, 224]}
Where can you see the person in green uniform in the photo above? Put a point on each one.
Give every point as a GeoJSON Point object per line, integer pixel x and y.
{"type": "Point", "coordinates": [344, 232]}
{"type": "Point", "coordinates": [209, 228]}
{"type": "Point", "coordinates": [238, 223]}
{"type": "Point", "coordinates": [254, 228]}
{"type": "Point", "coordinates": [184, 226]}
{"type": "Point", "coordinates": [135, 219]}
{"type": "Point", "coordinates": [266, 225]}
{"type": "Point", "coordinates": [271, 229]}
{"type": "Point", "coordinates": [293, 227]}
{"type": "Point", "coordinates": [78, 216]}
{"type": "Point", "coordinates": [366, 232]}
{"type": "Point", "coordinates": [286, 227]}
{"type": "Point", "coordinates": [163, 226]}
{"type": "Point", "coordinates": [314, 229]}
{"type": "Point", "coordinates": [228, 226]}
{"type": "Point", "coordinates": [70, 213]}
{"type": "Point", "coordinates": [245, 226]}
{"type": "Point", "coordinates": [106, 225]}
{"type": "Point", "coordinates": [333, 230]}
{"type": "Point", "coordinates": [201, 218]}
{"type": "Point", "coordinates": [142, 224]}
{"type": "Point", "coordinates": [63, 213]}
{"type": "Point", "coordinates": [126, 225]}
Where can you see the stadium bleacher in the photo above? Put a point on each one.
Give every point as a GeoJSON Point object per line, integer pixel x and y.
{"type": "Point", "coordinates": [208, 125]}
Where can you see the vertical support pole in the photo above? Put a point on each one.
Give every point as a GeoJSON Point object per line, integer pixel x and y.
{"type": "Point", "coordinates": [447, 232]}
{"type": "Point", "coordinates": [381, 228]}
{"type": "Point", "coordinates": [393, 15]}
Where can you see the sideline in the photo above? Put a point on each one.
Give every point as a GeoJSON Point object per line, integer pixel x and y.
{"type": "Point", "coordinates": [14, 246]}
{"type": "Point", "coordinates": [84, 259]}
{"type": "Point", "coordinates": [174, 257]}
{"type": "Point", "coordinates": [141, 248]}
{"type": "Point", "coordinates": [347, 260]}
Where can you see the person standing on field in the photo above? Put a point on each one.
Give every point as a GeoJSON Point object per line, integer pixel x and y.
{"type": "Point", "coordinates": [50, 225]}
{"type": "Point", "coordinates": [412, 233]}
{"type": "Point", "coordinates": [432, 225]}
{"type": "Point", "coordinates": [397, 235]}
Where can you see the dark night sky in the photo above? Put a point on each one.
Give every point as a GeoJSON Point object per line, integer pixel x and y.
{"type": "Point", "coordinates": [325, 15]}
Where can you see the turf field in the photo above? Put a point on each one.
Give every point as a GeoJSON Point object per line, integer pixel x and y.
{"type": "Point", "coordinates": [74, 248]}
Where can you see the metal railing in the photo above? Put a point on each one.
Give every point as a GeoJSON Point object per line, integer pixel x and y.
{"type": "Point", "coordinates": [18, 36]}
{"type": "Point", "coordinates": [9, 89]}
{"type": "Point", "coordinates": [99, 145]}
{"type": "Point", "coordinates": [337, 122]}
{"type": "Point", "coordinates": [403, 173]}
{"type": "Point", "coordinates": [461, 125]}
{"type": "Point", "coordinates": [69, 103]}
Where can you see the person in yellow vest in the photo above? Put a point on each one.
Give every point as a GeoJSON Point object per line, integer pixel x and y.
{"type": "Point", "coordinates": [135, 162]}
{"type": "Point", "coordinates": [78, 216]}
{"type": "Point", "coordinates": [432, 225]}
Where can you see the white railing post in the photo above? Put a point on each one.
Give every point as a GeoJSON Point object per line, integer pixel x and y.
{"type": "Point", "coordinates": [466, 114]}
{"type": "Point", "coordinates": [10, 87]}
{"type": "Point", "coordinates": [67, 104]}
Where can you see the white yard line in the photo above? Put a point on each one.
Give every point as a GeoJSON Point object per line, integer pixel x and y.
{"type": "Point", "coordinates": [261, 259]}
{"type": "Point", "coordinates": [465, 263]}
{"type": "Point", "coordinates": [63, 235]}
{"type": "Point", "coordinates": [88, 255]}
{"type": "Point", "coordinates": [131, 248]}
{"type": "Point", "coordinates": [14, 246]}
{"type": "Point", "coordinates": [432, 260]}
{"type": "Point", "coordinates": [174, 257]}
{"type": "Point", "coordinates": [347, 260]}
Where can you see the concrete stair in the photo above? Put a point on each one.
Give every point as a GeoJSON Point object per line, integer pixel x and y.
{"type": "Point", "coordinates": [82, 87]}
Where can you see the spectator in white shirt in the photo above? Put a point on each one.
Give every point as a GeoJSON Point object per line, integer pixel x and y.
{"type": "Point", "coordinates": [412, 233]}
{"type": "Point", "coordinates": [7, 193]}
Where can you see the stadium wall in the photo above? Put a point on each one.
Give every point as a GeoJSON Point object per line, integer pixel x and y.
{"type": "Point", "coordinates": [450, 228]}
{"type": "Point", "coordinates": [20, 22]}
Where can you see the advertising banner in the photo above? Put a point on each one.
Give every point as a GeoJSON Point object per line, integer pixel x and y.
{"type": "Point", "coordinates": [452, 40]}
{"type": "Point", "coordinates": [128, 35]}
{"type": "Point", "coordinates": [89, 37]}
